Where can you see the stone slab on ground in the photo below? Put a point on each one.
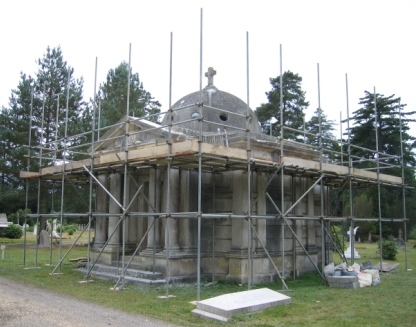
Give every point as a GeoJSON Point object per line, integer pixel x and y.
{"type": "Point", "coordinates": [386, 267]}
{"type": "Point", "coordinates": [225, 306]}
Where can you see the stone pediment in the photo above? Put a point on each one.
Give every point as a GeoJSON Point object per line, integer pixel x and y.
{"type": "Point", "coordinates": [140, 131]}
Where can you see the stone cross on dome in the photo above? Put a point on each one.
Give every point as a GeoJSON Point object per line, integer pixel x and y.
{"type": "Point", "coordinates": [210, 74]}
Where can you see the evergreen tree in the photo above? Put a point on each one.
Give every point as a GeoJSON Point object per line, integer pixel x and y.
{"type": "Point", "coordinates": [294, 103]}
{"type": "Point", "coordinates": [388, 112]}
{"type": "Point", "coordinates": [14, 122]}
{"type": "Point", "coordinates": [51, 87]}
{"type": "Point", "coordinates": [113, 97]}
{"type": "Point", "coordinates": [328, 140]}
{"type": "Point", "coordinates": [50, 81]}
{"type": "Point", "coordinates": [363, 132]}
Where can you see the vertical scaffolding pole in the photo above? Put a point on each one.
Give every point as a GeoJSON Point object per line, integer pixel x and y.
{"type": "Point", "coordinates": [40, 166]}
{"type": "Point", "coordinates": [90, 217]}
{"type": "Point", "coordinates": [126, 171]}
{"type": "Point", "coordinates": [168, 173]}
{"type": "Point", "coordinates": [199, 164]}
{"type": "Point", "coordinates": [350, 168]}
{"type": "Point", "coordinates": [29, 150]}
{"type": "Point", "coordinates": [322, 191]}
{"type": "Point", "coordinates": [403, 189]}
{"type": "Point", "coordinates": [64, 161]}
{"type": "Point", "coordinates": [249, 237]}
{"type": "Point", "coordinates": [378, 182]}
{"type": "Point", "coordinates": [282, 186]}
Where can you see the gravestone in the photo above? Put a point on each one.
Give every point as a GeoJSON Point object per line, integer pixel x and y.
{"type": "Point", "coordinates": [44, 239]}
{"type": "Point", "coordinates": [3, 221]}
{"type": "Point", "coordinates": [348, 252]}
{"type": "Point", "coordinates": [225, 306]}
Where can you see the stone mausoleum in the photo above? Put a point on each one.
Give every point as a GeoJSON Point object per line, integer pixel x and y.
{"type": "Point", "coordinates": [206, 194]}
{"type": "Point", "coordinates": [212, 124]}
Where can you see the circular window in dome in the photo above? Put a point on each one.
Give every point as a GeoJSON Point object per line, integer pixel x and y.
{"type": "Point", "coordinates": [195, 115]}
{"type": "Point", "coordinates": [223, 116]}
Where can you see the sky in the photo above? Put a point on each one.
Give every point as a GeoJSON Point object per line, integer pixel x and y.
{"type": "Point", "coordinates": [370, 43]}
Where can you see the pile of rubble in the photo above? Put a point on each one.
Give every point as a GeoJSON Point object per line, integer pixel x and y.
{"type": "Point", "coordinates": [354, 276]}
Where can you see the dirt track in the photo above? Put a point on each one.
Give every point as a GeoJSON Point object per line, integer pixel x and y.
{"type": "Point", "coordinates": [27, 306]}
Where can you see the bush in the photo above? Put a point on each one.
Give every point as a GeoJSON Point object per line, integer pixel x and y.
{"type": "Point", "coordinates": [14, 231]}
{"type": "Point", "coordinates": [389, 249]}
{"type": "Point", "coordinates": [70, 229]}
{"type": "Point", "coordinates": [412, 234]}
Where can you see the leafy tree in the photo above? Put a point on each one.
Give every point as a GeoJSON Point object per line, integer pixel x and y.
{"type": "Point", "coordinates": [113, 97]}
{"type": "Point", "coordinates": [294, 103]}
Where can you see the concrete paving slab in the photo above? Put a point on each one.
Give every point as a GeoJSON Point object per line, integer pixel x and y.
{"type": "Point", "coordinates": [386, 267]}
{"type": "Point", "coordinates": [225, 306]}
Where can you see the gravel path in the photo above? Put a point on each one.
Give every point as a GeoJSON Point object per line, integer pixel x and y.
{"type": "Point", "coordinates": [27, 306]}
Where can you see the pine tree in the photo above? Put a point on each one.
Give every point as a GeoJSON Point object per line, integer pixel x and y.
{"type": "Point", "coordinates": [49, 84]}
{"type": "Point", "coordinates": [328, 141]}
{"type": "Point", "coordinates": [387, 113]}
{"type": "Point", "coordinates": [113, 97]}
{"type": "Point", "coordinates": [363, 132]}
{"type": "Point", "coordinates": [14, 121]}
{"type": "Point", "coordinates": [51, 92]}
{"type": "Point", "coordinates": [294, 103]}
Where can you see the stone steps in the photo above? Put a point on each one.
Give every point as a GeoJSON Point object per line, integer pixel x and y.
{"type": "Point", "coordinates": [130, 275]}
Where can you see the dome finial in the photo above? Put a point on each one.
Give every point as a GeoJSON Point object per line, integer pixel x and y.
{"type": "Point", "coordinates": [210, 74]}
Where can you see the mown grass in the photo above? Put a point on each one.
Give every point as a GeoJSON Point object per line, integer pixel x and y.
{"type": "Point", "coordinates": [393, 303]}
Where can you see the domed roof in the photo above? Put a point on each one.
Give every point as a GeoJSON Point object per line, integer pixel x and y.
{"type": "Point", "coordinates": [224, 105]}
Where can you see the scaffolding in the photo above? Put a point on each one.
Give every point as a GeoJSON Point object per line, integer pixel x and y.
{"type": "Point", "coordinates": [210, 153]}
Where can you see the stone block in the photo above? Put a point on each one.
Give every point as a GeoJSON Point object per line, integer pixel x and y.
{"type": "Point", "coordinates": [343, 281]}
{"type": "Point", "coordinates": [226, 306]}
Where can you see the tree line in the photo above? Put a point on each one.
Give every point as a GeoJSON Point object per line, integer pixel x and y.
{"type": "Point", "coordinates": [41, 100]}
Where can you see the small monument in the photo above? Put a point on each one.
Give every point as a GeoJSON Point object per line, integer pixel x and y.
{"type": "Point", "coordinates": [400, 240]}
{"type": "Point", "coordinates": [347, 253]}
{"type": "Point", "coordinates": [44, 239]}
{"type": "Point", "coordinates": [54, 234]}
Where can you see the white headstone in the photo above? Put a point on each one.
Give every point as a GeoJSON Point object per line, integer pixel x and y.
{"type": "Point", "coordinates": [347, 253]}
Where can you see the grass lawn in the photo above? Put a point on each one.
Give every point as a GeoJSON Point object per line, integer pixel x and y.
{"type": "Point", "coordinates": [393, 303]}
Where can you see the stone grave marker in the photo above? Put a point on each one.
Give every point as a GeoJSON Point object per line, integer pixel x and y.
{"type": "Point", "coordinates": [44, 239]}
{"type": "Point", "coordinates": [225, 306]}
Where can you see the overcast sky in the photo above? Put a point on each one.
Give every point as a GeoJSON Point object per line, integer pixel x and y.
{"type": "Point", "coordinates": [371, 41]}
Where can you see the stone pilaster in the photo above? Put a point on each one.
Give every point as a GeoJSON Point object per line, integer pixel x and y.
{"type": "Point", "coordinates": [311, 234]}
{"type": "Point", "coordinates": [261, 210]}
{"type": "Point", "coordinates": [114, 208]}
{"type": "Point", "coordinates": [188, 203]}
{"type": "Point", "coordinates": [153, 237]}
{"type": "Point", "coordinates": [170, 203]}
{"type": "Point", "coordinates": [101, 223]}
